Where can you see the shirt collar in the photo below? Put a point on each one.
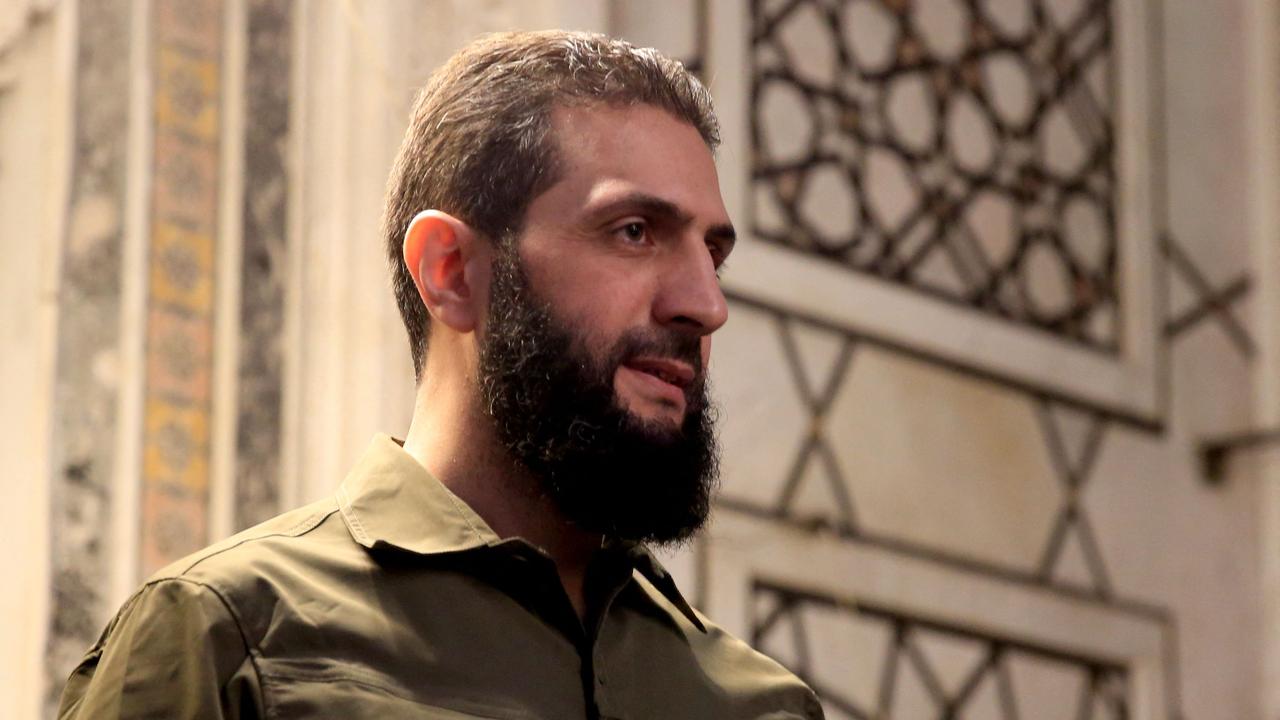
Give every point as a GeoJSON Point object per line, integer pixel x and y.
{"type": "Point", "coordinates": [390, 500]}
{"type": "Point", "coordinates": [657, 575]}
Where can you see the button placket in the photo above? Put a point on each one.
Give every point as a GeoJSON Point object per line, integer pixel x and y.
{"type": "Point", "coordinates": [599, 669]}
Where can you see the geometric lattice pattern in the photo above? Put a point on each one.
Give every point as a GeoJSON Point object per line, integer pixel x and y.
{"type": "Point", "coordinates": [924, 669]}
{"type": "Point", "coordinates": [816, 394]}
{"type": "Point", "coordinates": [1071, 558]}
{"type": "Point", "coordinates": [1072, 536]}
{"type": "Point", "coordinates": [1211, 303]}
{"type": "Point", "coordinates": [961, 148]}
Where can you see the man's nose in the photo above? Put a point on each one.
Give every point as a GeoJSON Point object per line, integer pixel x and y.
{"type": "Point", "coordinates": [689, 295]}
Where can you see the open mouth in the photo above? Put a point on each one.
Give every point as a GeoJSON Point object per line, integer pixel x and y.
{"type": "Point", "coordinates": [659, 379]}
{"type": "Point", "coordinates": [672, 372]}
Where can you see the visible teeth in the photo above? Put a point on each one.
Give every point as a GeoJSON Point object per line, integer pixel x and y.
{"type": "Point", "coordinates": [663, 376]}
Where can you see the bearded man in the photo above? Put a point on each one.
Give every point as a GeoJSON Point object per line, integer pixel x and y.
{"type": "Point", "coordinates": [555, 229]}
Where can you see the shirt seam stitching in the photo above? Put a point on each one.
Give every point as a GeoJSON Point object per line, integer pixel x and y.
{"type": "Point", "coordinates": [302, 528]}
{"type": "Point", "coordinates": [349, 514]}
{"type": "Point", "coordinates": [255, 654]}
{"type": "Point", "coordinates": [250, 647]}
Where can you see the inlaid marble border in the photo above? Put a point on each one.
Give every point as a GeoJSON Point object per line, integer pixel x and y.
{"type": "Point", "coordinates": [181, 280]}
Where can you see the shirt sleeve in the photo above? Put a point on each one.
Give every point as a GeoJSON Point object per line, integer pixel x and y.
{"type": "Point", "coordinates": [175, 650]}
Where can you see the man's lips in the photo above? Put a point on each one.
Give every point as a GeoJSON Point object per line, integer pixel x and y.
{"type": "Point", "coordinates": [661, 379]}
{"type": "Point", "coordinates": [672, 372]}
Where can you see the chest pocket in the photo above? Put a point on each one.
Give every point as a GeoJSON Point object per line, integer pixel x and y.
{"type": "Point", "coordinates": [354, 699]}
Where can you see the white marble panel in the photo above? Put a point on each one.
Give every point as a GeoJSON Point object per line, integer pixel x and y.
{"type": "Point", "coordinates": [763, 419]}
{"type": "Point", "coordinates": [35, 58]}
{"type": "Point", "coordinates": [937, 459]}
{"type": "Point", "coordinates": [1171, 539]}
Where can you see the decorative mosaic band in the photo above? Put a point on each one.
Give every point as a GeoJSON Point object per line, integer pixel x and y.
{"type": "Point", "coordinates": [179, 358]}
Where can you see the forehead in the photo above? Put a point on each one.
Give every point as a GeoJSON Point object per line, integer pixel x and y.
{"type": "Point", "coordinates": [606, 150]}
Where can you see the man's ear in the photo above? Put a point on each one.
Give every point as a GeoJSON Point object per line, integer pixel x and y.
{"type": "Point", "coordinates": [437, 250]}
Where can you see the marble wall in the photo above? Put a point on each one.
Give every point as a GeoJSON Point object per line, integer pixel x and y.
{"type": "Point", "coordinates": [931, 503]}
{"type": "Point", "coordinates": [85, 397]}
{"type": "Point", "coordinates": [264, 263]}
{"type": "Point", "coordinates": [885, 449]}
{"type": "Point", "coordinates": [36, 57]}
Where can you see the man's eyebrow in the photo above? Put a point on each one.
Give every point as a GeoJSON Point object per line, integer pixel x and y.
{"type": "Point", "coordinates": [645, 204]}
{"type": "Point", "coordinates": [666, 211]}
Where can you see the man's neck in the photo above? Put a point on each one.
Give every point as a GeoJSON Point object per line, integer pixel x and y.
{"type": "Point", "coordinates": [459, 448]}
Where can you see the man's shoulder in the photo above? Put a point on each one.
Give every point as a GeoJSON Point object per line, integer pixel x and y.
{"type": "Point", "coordinates": [261, 566]}
{"type": "Point", "coordinates": [749, 673]}
{"type": "Point", "coordinates": [199, 616]}
{"type": "Point", "coordinates": [740, 671]}
{"type": "Point", "coordinates": [284, 538]}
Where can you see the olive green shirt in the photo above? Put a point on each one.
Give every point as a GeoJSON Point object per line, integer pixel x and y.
{"type": "Point", "coordinates": [395, 600]}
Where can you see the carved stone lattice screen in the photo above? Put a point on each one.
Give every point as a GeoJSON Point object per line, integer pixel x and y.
{"type": "Point", "coordinates": [976, 180]}
{"type": "Point", "coordinates": [882, 633]}
{"type": "Point", "coordinates": [975, 139]}
{"type": "Point", "coordinates": [931, 669]}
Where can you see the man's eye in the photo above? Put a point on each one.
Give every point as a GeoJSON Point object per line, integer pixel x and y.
{"type": "Point", "coordinates": [634, 231]}
{"type": "Point", "coordinates": [718, 257]}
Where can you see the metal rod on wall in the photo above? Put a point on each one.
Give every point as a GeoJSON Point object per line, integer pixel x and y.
{"type": "Point", "coordinates": [1214, 451]}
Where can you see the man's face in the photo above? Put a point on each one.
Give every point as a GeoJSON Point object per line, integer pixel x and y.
{"type": "Point", "coordinates": [594, 353]}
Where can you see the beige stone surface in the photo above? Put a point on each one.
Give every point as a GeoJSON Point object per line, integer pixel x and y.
{"type": "Point", "coordinates": [940, 460]}
{"type": "Point", "coordinates": [763, 417]}
{"type": "Point", "coordinates": [33, 117]}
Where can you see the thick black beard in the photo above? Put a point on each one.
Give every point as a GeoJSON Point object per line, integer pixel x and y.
{"type": "Point", "coordinates": [554, 408]}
